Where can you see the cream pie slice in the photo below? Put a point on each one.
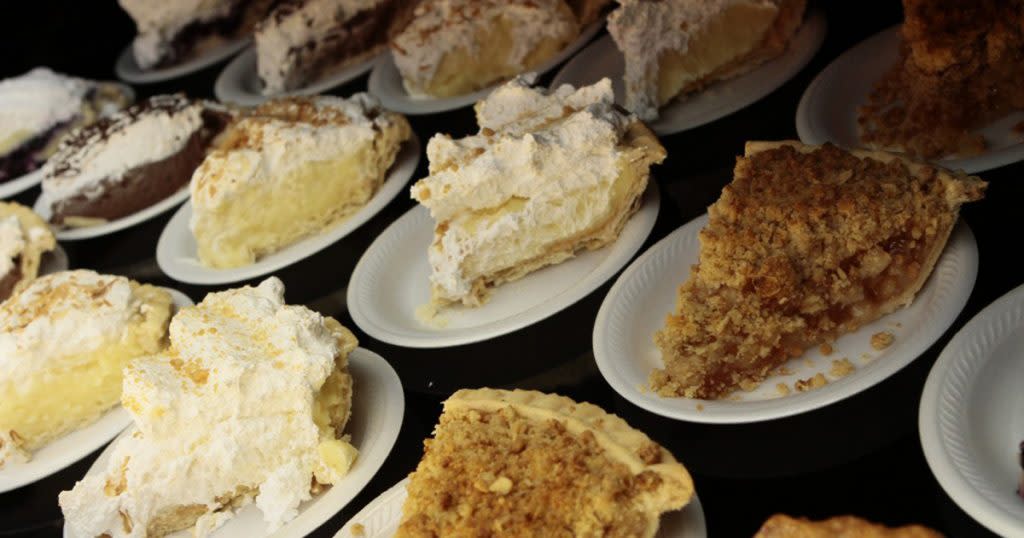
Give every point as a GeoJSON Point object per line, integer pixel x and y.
{"type": "Point", "coordinates": [129, 161]}
{"type": "Point", "coordinates": [549, 174]}
{"type": "Point", "coordinates": [38, 109]}
{"type": "Point", "coordinates": [673, 47]}
{"type": "Point", "coordinates": [526, 463]}
{"type": "Point", "coordinates": [24, 239]}
{"type": "Point", "coordinates": [288, 169]}
{"type": "Point", "coordinates": [453, 47]}
{"type": "Point", "coordinates": [170, 31]}
{"type": "Point", "coordinates": [247, 405]}
{"type": "Point", "coordinates": [303, 40]}
{"type": "Point", "coordinates": [64, 340]}
{"type": "Point", "coordinates": [806, 244]}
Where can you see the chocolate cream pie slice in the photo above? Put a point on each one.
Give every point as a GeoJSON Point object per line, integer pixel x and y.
{"type": "Point", "coordinates": [247, 405]}
{"type": "Point", "coordinates": [288, 169]}
{"type": "Point", "coordinates": [526, 463]}
{"type": "Point", "coordinates": [806, 244]}
{"type": "Point", "coordinates": [549, 174]}
{"type": "Point", "coordinates": [303, 40]}
{"type": "Point", "coordinates": [64, 340]}
{"type": "Point", "coordinates": [38, 109]}
{"type": "Point", "coordinates": [24, 239]}
{"type": "Point", "coordinates": [675, 47]}
{"type": "Point", "coordinates": [129, 161]}
{"type": "Point", "coordinates": [171, 31]}
{"type": "Point", "coordinates": [454, 47]}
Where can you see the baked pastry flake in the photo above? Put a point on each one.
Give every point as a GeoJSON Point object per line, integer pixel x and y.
{"type": "Point", "coordinates": [549, 174]}
{"type": "Point", "coordinates": [525, 463]}
{"type": "Point", "coordinates": [64, 340]}
{"type": "Point", "coordinates": [288, 169]}
{"type": "Point", "coordinates": [247, 405]}
{"type": "Point", "coordinates": [806, 244]}
{"type": "Point", "coordinates": [675, 47]}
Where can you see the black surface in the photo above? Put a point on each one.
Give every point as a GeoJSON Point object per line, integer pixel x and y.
{"type": "Point", "coordinates": [861, 456]}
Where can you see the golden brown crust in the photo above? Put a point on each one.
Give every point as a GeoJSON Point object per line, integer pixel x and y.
{"type": "Point", "coordinates": [807, 243]}
{"type": "Point", "coordinates": [783, 526]}
{"type": "Point", "coordinates": [961, 66]}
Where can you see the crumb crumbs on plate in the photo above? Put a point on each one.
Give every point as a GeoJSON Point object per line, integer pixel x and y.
{"type": "Point", "coordinates": [427, 314]}
{"type": "Point", "coordinates": [700, 407]}
{"type": "Point", "coordinates": [809, 363]}
{"type": "Point", "coordinates": [358, 530]}
{"type": "Point", "coordinates": [783, 389]}
{"type": "Point", "coordinates": [825, 349]}
{"type": "Point", "coordinates": [882, 340]}
{"type": "Point", "coordinates": [811, 383]}
{"type": "Point", "coordinates": [841, 368]}
{"type": "Point", "coordinates": [782, 370]}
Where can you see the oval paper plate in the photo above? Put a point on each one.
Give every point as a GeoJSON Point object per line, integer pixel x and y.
{"type": "Point", "coordinates": [391, 281]}
{"type": "Point", "coordinates": [42, 207]}
{"type": "Point", "coordinates": [603, 59]}
{"type": "Point", "coordinates": [129, 71]}
{"type": "Point", "coordinates": [386, 82]}
{"type": "Point", "coordinates": [76, 445]}
{"type": "Point", "coordinates": [972, 416]}
{"type": "Point", "coordinates": [637, 304]}
{"type": "Point", "coordinates": [240, 83]}
{"type": "Point", "coordinates": [176, 252]}
{"type": "Point", "coordinates": [381, 517]}
{"type": "Point", "coordinates": [378, 405]}
{"type": "Point", "coordinates": [828, 108]}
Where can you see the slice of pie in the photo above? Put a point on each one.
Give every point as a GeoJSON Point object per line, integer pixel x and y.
{"type": "Point", "coordinates": [807, 243]}
{"type": "Point", "coordinates": [675, 47]}
{"type": "Point", "coordinates": [129, 161]}
{"type": "Point", "coordinates": [783, 526]}
{"type": "Point", "coordinates": [961, 66]}
{"type": "Point", "coordinates": [525, 463]}
{"type": "Point", "coordinates": [549, 174]}
{"type": "Point", "coordinates": [247, 405]}
{"type": "Point", "coordinates": [38, 109]}
{"type": "Point", "coordinates": [288, 169]}
{"type": "Point", "coordinates": [170, 32]}
{"type": "Point", "coordinates": [453, 47]}
{"type": "Point", "coordinates": [64, 340]}
{"type": "Point", "coordinates": [24, 238]}
{"type": "Point", "coordinates": [303, 40]}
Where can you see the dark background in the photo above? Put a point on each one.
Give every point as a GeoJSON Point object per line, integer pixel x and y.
{"type": "Point", "coordinates": [861, 456]}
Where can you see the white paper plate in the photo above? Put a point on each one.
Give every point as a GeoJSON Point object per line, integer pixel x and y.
{"type": "Point", "coordinates": [828, 108]}
{"type": "Point", "coordinates": [637, 304]}
{"type": "Point", "coordinates": [603, 59]}
{"type": "Point", "coordinates": [176, 252]}
{"type": "Point", "coordinates": [76, 445]}
{"type": "Point", "coordinates": [972, 415]}
{"type": "Point", "coordinates": [42, 207]}
{"type": "Point", "coordinates": [386, 82]}
{"type": "Point", "coordinates": [240, 83]}
{"type": "Point", "coordinates": [391, 281]}
{"type": "Point", "coordinates": [381, 517]}
{"type": "Point", "coordinates": [129, 71]}
{"type": "Point", "coordinates": [378, 406]}
{"type": "Point", "coordinates": [35, 177]}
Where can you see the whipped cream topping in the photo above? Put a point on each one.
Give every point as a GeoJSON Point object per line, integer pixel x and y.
{"type": "Point", "coordinates": [442, 26]}
{"type": "Point", "coordinates": [60, 316]}
{"type": "Point", "coordinates": [644, 29]}
{"type": "Point", "coordinates": [294, 25]}
{"type": "Point", "coordinates": [226, 409]}
{"type": "Point", "coordinates": [280, 136]}
{"type": "Point", "coordinates": [36, 102]}
{"type": "Point", "coordinates": [158, 22]}
{"type": "Point", "coordinates": [542, 149]}
{"type": "Point", "coordinates": [12, 243]}
{"type": "Point", "coordinates": [101, 153]}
